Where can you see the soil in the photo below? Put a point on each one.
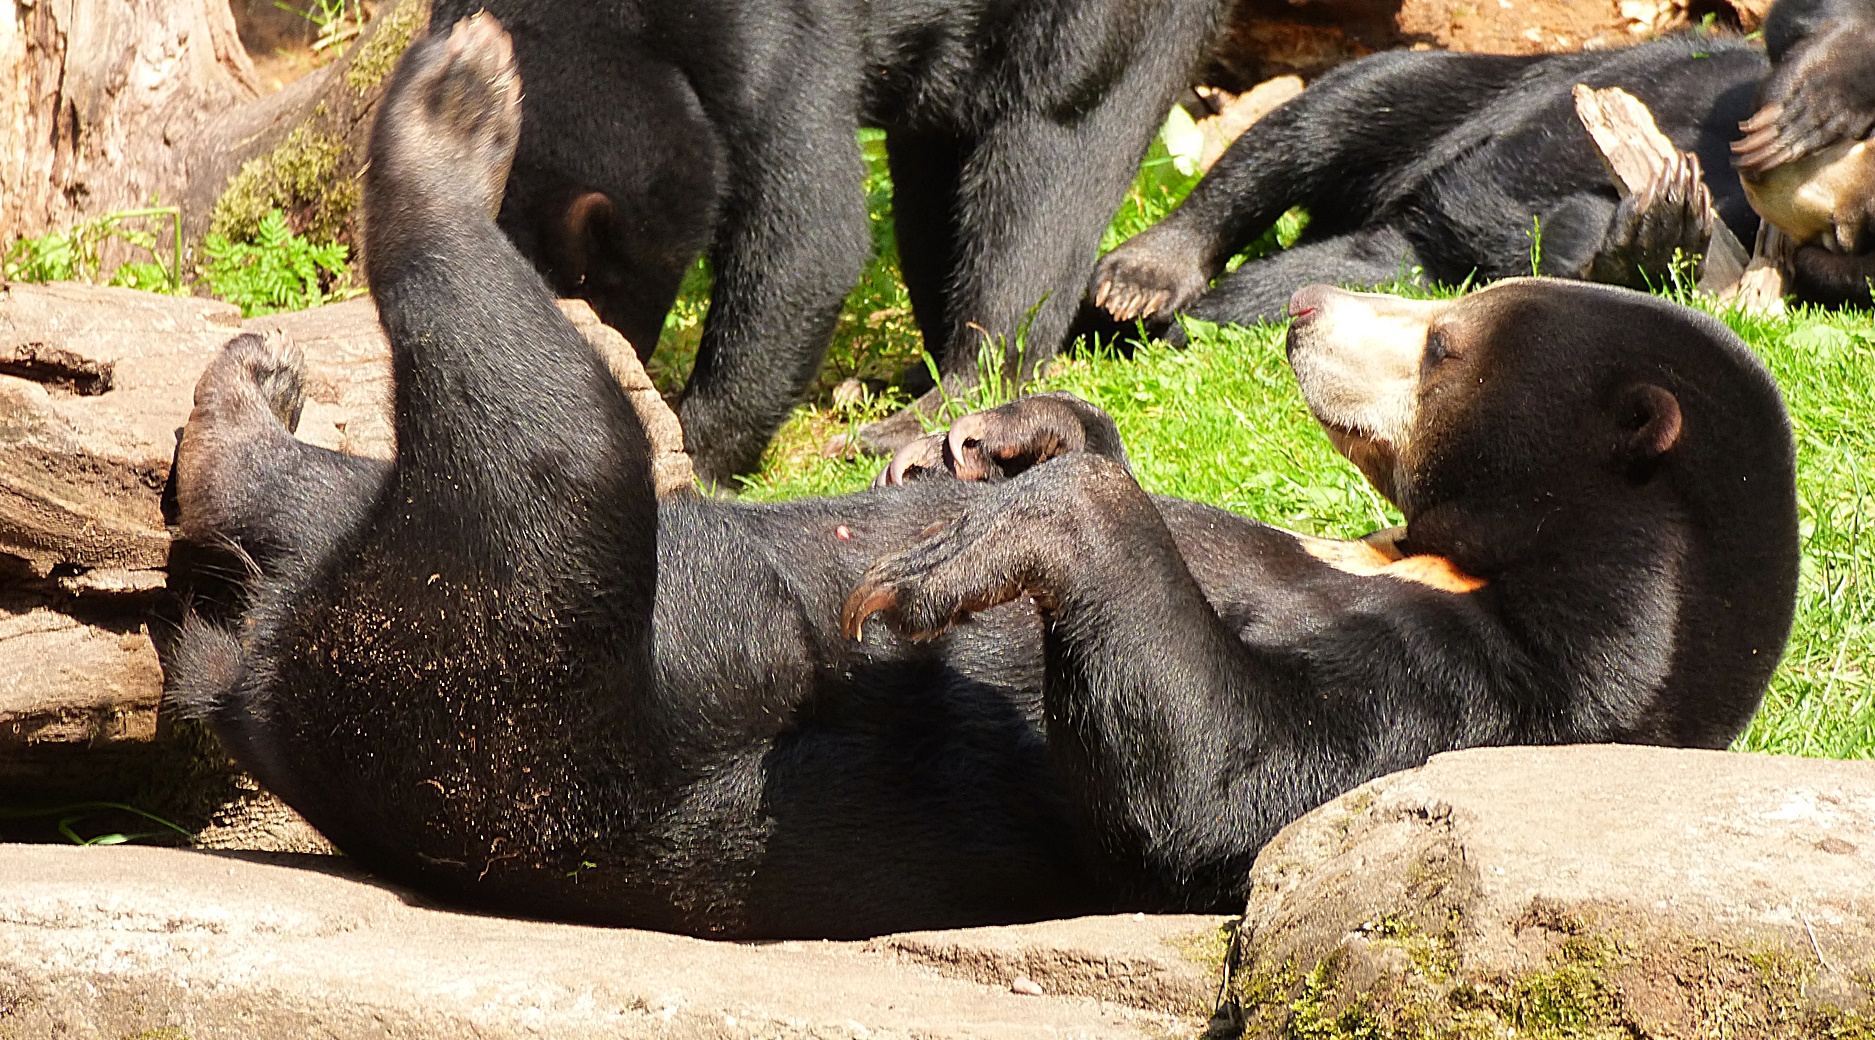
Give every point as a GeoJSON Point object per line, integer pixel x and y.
{"type": "Point", "coordinates": [1264, 38]}
{"type": "Point", "coordinates": [1269, 38]}
{"type": "Point", "coordinates": [279, 37]}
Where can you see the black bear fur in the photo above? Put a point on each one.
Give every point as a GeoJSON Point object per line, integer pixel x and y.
{"type": "Point", "coordinates": [658, 130]}
{"type": "Point", "coordinates": [498, 670]}
{"type": "Point", "coordinates": [1452, 167]}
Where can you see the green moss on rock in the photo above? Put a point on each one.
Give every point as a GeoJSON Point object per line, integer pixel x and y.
{"type": "Point", "coordinates": [300, 176]}
{"type": "Point", "coordinates": [1575, 998]}
{"type": "Point", "coordinates": [1394, 978]}
{"type": "Point", "coordinates": [1209, 949]}
{"type": "Point", "coordinates": [379, 52]}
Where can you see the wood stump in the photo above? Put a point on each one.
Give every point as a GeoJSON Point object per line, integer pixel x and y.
{"type": "Point", "coordinates": [108, 105]}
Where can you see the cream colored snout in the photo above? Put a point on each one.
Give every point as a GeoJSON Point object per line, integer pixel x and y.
{"type": "Point", "coordinates": [1821, 198]}
{"type": "Point", "coordinates": [1357, 356]}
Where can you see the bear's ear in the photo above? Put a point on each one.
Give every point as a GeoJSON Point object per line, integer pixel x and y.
{"type": "Point", "coordinates": [1650, 419]}
{"type": "Point", "coordinates": [583, 226]}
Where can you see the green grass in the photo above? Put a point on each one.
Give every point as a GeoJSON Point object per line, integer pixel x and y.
{"type": "Point", "coordinates": [1822, 700]}
{"type": "Point", "coordinates": [1222, 422]}
{"type": "Point", "coordinates": [273, 269]}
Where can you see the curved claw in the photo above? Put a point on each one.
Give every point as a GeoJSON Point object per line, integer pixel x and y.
{"type": "Point", "coordinates": [1151, 276]}
{"type": "Point", "coordinates": [866, 600]}
{"type": "Point", "coordinates": [963, 448]}
{"type": "Point", "coordinates": [925, 453]}
{"type": "Point", "coordinates": [1819, 92]}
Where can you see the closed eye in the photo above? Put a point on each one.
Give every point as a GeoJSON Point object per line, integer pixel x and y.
{"type": "Point", "coordinates": [1438, 348]}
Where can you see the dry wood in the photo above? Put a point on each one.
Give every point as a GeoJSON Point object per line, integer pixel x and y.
{"type": "Point", "coordinates": [108, 104]}
{"type": "Point", "coordinates": [1630, 143]}
{"type": "Point", "coordinates": [99, 99]}
{"type": "Point", "coordinates": [1635, 152]}
{"type": "Point", "coordinates": [1760, 289]}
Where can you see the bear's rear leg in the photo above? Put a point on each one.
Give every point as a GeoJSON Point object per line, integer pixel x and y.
{"type": "Point", "coordinates": [242, 480]}
{"type": "Point", "coordinates": [446, 135]}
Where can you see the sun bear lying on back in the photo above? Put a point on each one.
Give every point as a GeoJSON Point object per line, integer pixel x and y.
{"type": "Point", "coordinates": [499, 671]}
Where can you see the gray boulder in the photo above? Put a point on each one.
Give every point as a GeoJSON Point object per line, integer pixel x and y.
{"type": "Point", "coordinates": [123, 942]}
{"type": "Point", "coordinates": [1574, 891]}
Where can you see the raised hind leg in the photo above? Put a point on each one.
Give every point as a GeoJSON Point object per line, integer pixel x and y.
{"type": "Point", "coordinates": [458, 690]}
{"type": "Point", "coordinates": [244, 482]}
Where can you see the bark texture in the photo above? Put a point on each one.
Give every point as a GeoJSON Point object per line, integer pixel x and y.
{"type": "Point", "coordinates": [100, 101]}
{"type": "Point", "coordinates": [108, 104]}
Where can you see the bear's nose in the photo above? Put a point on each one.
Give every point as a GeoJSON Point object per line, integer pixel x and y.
{"type": "Point", "coordinates": [1308, 302]}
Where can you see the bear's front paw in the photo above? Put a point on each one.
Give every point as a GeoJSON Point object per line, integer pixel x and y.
{"type": "Point", "coordinates": [1670, 216]}
{"type": "Point", "coordinates": [924, 590]}
{"type": "Point", "coordinates": [1150, 277]}
{"type": "Point", "coordinates": [1820, 93]}
{"type": "Point", "coordinates": [1004, 442]}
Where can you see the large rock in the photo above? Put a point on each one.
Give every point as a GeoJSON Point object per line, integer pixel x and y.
{"type": "Point", "coordinates": [141, 942]}
{"type": "Point", "coordinates": [1584, 891]}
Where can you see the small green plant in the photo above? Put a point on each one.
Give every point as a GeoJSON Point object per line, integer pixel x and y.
{"type": "Point", "coordinates": [337, 20]}
{"type": "Point", "coordinates": [1682, 277]}
{"type": "Point", "coordinates": [70, 816]}
{"type": "Point", "coordinates": [1536, 245]}
{"type": "Point", "coordinates": [278, 270]}
{"type": "Point", "coordinates": [76, 254]}
{"type": "Point", "coordinates": [998, 380]}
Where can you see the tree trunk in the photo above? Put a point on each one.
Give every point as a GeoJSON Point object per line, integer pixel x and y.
{"type": "Point", "coordinates": [108, 104]}
{"type": "Point", "coordinates": [100, 100]}
{"type": "Point", "coordinates": [300, 150]}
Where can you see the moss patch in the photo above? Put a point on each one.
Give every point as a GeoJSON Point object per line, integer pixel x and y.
{"type": "Point", "coordinates": [1392, 978]}
{"type": "Point", "coordinates": [1209, 949]}
{"type": "Point", "coordinates": [379, 52]}
{"type": "Point", "coordinates": [300, 176]}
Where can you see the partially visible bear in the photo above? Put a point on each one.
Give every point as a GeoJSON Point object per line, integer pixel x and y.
{"type": "Point", "coordinates": [658, 130]}
{"type": "Point", "coordinates": [1822, 83]}
{"type": "Point", "coordinates": [1806, 143]}
{"type": "Point", "coordinates": [1456, 167]}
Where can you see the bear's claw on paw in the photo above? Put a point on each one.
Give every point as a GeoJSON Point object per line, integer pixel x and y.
{"type": "Point", "coordinates": [269, 365]}
{"type": "Point", "coordinates": [1145, 279]}
{"type": "Point", "coordinates": [925, 590]}
{"type": "Point", "coordinates": [867, 600]}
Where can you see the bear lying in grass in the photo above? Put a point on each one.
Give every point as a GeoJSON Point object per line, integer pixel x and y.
{"type": "Point", "coordinates": [1458, 168]}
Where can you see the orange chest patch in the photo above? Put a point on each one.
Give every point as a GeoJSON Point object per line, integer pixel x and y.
{"type": "Point", "coordinates": [1374, 559]}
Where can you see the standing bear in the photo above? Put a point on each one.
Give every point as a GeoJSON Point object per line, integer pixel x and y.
{"type": "Point", "coordinates": [661, 130]}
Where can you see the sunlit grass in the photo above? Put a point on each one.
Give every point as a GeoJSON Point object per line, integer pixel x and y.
{"type": "Point", "coordinates": [1822, 699]}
